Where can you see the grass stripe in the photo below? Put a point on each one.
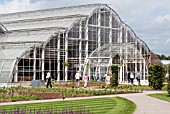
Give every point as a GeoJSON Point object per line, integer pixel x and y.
{"type": "Point", "coordinates": [112, 105]}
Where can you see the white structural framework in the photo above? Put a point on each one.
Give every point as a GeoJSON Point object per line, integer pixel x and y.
{"type": "Point", "coordinates": [65, 40]}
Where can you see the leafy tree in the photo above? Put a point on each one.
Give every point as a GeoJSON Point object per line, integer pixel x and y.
{"type": "Point", "coordinates": [156, 77]}
{"type": "Point", "coordinates": [114, 76]}
{"type": "Point", "coordinates": [163, 57]}
{"type": "Point", "coordinates": [168, 58]}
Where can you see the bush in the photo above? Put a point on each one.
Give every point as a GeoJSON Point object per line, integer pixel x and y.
{"type": "Point", "coordinates": [156, 77]}
{"type": "Point", "coordinates": [114, 76]}
{"type": "Point", "coordinates": [168, 87]}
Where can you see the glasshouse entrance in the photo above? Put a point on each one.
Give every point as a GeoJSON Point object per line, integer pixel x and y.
{"type": "Point", "coordinates": [125, 56]}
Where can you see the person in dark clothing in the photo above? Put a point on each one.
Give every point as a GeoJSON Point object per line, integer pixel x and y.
{"type": "Point", "coordinates": [138, 76]}
{"type": "Point", "coordinates": [48, 78]}
{"type": "Point", "coordinates": [128, 77]}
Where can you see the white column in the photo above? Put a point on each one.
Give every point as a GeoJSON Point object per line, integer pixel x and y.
{"type": "Point", "coordinates": [135, 66]}
{"type": "Point", "coordinates": [66, 55]}
{"type": "Point", "coordinates": [120, 34]}
{"type": "Point", "coordinates": [86, 48]}
{"type": "Point", "coordinates": [89, 73]}
{"type": "Point", "coordinates": [99, 72]}
{"type": "Point", "coordinates": [141, 66]}
{"type": "Point", "coordinates": [99, 40]}
{"type": "Point", "coordinates": [42, 57]}
{"type": "Point", "coordinates": [110, 40]}
{"type": "Point", "coordinates": [110, 32]}
{"type": "Point", "coordinates": [80, 45]}
{"type": "Point", "coordinates": [34, 67]}
{"type": "Point", "coordinates": [123, 71]}
{"type": "Point", "coordinates": [16, 72]}
{"type": "Point", "coordinates": [144, 69]}
{"type": "Point", "coordinates": [126, 55]}
{"type": "Point", "coordinates": [86, 38]}
{"type": "Point", "coordinates": [120, 74]}
{"type": "Point", "coordinates": [58, 58]}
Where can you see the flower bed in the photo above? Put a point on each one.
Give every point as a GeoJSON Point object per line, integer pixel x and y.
{"type": "Point", "coordinates": [20, 93]}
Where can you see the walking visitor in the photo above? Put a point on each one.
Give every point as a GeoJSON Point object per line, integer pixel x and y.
{"type": "Point", "coordinates": [48, 78]}
{"type": "Point", "coordinates": [138, 77]}
{"type": "Point", "coordinates": [131, 78]}
{"type": "Point", "coordinates": [128, 73]}
{"type": "Point", "coordinates": [85, 78]}
{"type": "Point", "coordinates": [77, 76]}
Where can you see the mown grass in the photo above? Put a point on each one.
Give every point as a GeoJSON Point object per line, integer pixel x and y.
{"type": "Point", "coordinates": [162, 96]}
{"type": "Point", "coordinates": [114, 105]}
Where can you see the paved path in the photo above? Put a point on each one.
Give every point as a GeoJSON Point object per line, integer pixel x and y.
{"type": "Point", "coordinates": [149, 105]}
{"type": "Point", "coordinates": [144, 104]}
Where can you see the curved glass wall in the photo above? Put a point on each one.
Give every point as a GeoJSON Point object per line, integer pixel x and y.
{"type": "Point", "coordinates": [66, 42]}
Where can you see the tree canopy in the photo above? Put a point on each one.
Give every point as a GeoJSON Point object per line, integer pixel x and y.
{"type": "Point", "coordinates": [163, 57]}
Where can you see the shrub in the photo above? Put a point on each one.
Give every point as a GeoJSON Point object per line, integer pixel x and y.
{"type": "Point", "coordinates": [114, 76]}
{"type": "Point", "coordinates": [156, 73]}
{"type": "Point", "coordinates": [168, 87]}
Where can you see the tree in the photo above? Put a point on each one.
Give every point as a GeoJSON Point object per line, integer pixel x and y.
{"type": "Point", "coordinates": [114, 76]}
{"type": "Point", "coordinates": [163, 57]}
{"type": "Point", "coordinates": [156, 77]}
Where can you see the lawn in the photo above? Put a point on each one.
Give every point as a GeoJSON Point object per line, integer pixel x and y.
{"type": "Point", "coordinates": [114, 105]}
{"type": "Point", "coordinates": [162, 96]}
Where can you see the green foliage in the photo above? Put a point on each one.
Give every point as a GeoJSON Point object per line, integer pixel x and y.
{"type": "Point", "coordinates": [168, 87]}
{"type": "Point", "coordinates": [162, 96]}
{"type": "Point", "coordinates": [65, 63]}
{"type": "Point", "coordinates": [114, 105]}
{"type": "Point", "coordinates": [114, 76]}
{"type": "Point", "coordinates": [163, 57]}
{"type": "Point", "coordinates": [24, 98]}
{"type": "Point", "coordinates": [156, 77]}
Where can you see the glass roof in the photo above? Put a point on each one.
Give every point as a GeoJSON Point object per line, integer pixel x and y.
{"type": "Point", "coordinates": [63, 23]}
{"type": "Point", "coordinates": [33, 36]}
{"type": "Point", "coordinates": [13, 51]}
{"type": "Point", "coordinates": [5, 70]}
{"type": "Point", "coordinates": [35, 27]}
{"type": "Point", "coordinates": [8, 55]}
{"type": "Point", "coordinates": [108, 50]}
{"type": "Point", "coordinates": [65, 11]}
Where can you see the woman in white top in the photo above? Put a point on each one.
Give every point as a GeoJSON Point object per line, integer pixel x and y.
{"type": "Point", "coordinates": [77, 76]}
{"type": "Point", "coordinates": [48, 78]}
{"type": "Point", "coordinates": [131, 78]}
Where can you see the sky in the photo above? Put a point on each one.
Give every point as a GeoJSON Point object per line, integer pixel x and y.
{"type": "Point", "coordinates": [149, 19]}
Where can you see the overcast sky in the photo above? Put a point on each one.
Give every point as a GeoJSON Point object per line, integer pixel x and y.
{"type": "Point", "coordinates": [150, 19]}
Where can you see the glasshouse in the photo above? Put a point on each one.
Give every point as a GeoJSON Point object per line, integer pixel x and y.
{"type": "Point", "coordinates": [86, 38]}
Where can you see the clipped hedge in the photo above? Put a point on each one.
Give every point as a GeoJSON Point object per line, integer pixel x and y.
{"type": "Point", "coordinates": [114, 76]}
{"type": "Point", "coordinates": [168, 87]}
{"type": "Point", "coordinates": [156, 77]}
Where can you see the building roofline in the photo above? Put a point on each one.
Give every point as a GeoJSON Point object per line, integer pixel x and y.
{"type": "Point", "coordinates": [48, 9]}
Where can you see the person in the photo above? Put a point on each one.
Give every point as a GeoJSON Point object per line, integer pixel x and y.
{"type": "Point", "coordinates": [108, 80]}
{"type": "Point", "coordinates": [138, 78]}
{"type": "Point", "coordinates": [105, 75]}
{"type": "Point", "coordinates": [128, 76]}
{"type": "Point", "coordinates": [48, 78]}
{"type": "Point", "coordinates": [131, 78]}
{"type": "Point", "coordinates": [77, 76]}
{"type": "Point", "coordinates": [85, 78]}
